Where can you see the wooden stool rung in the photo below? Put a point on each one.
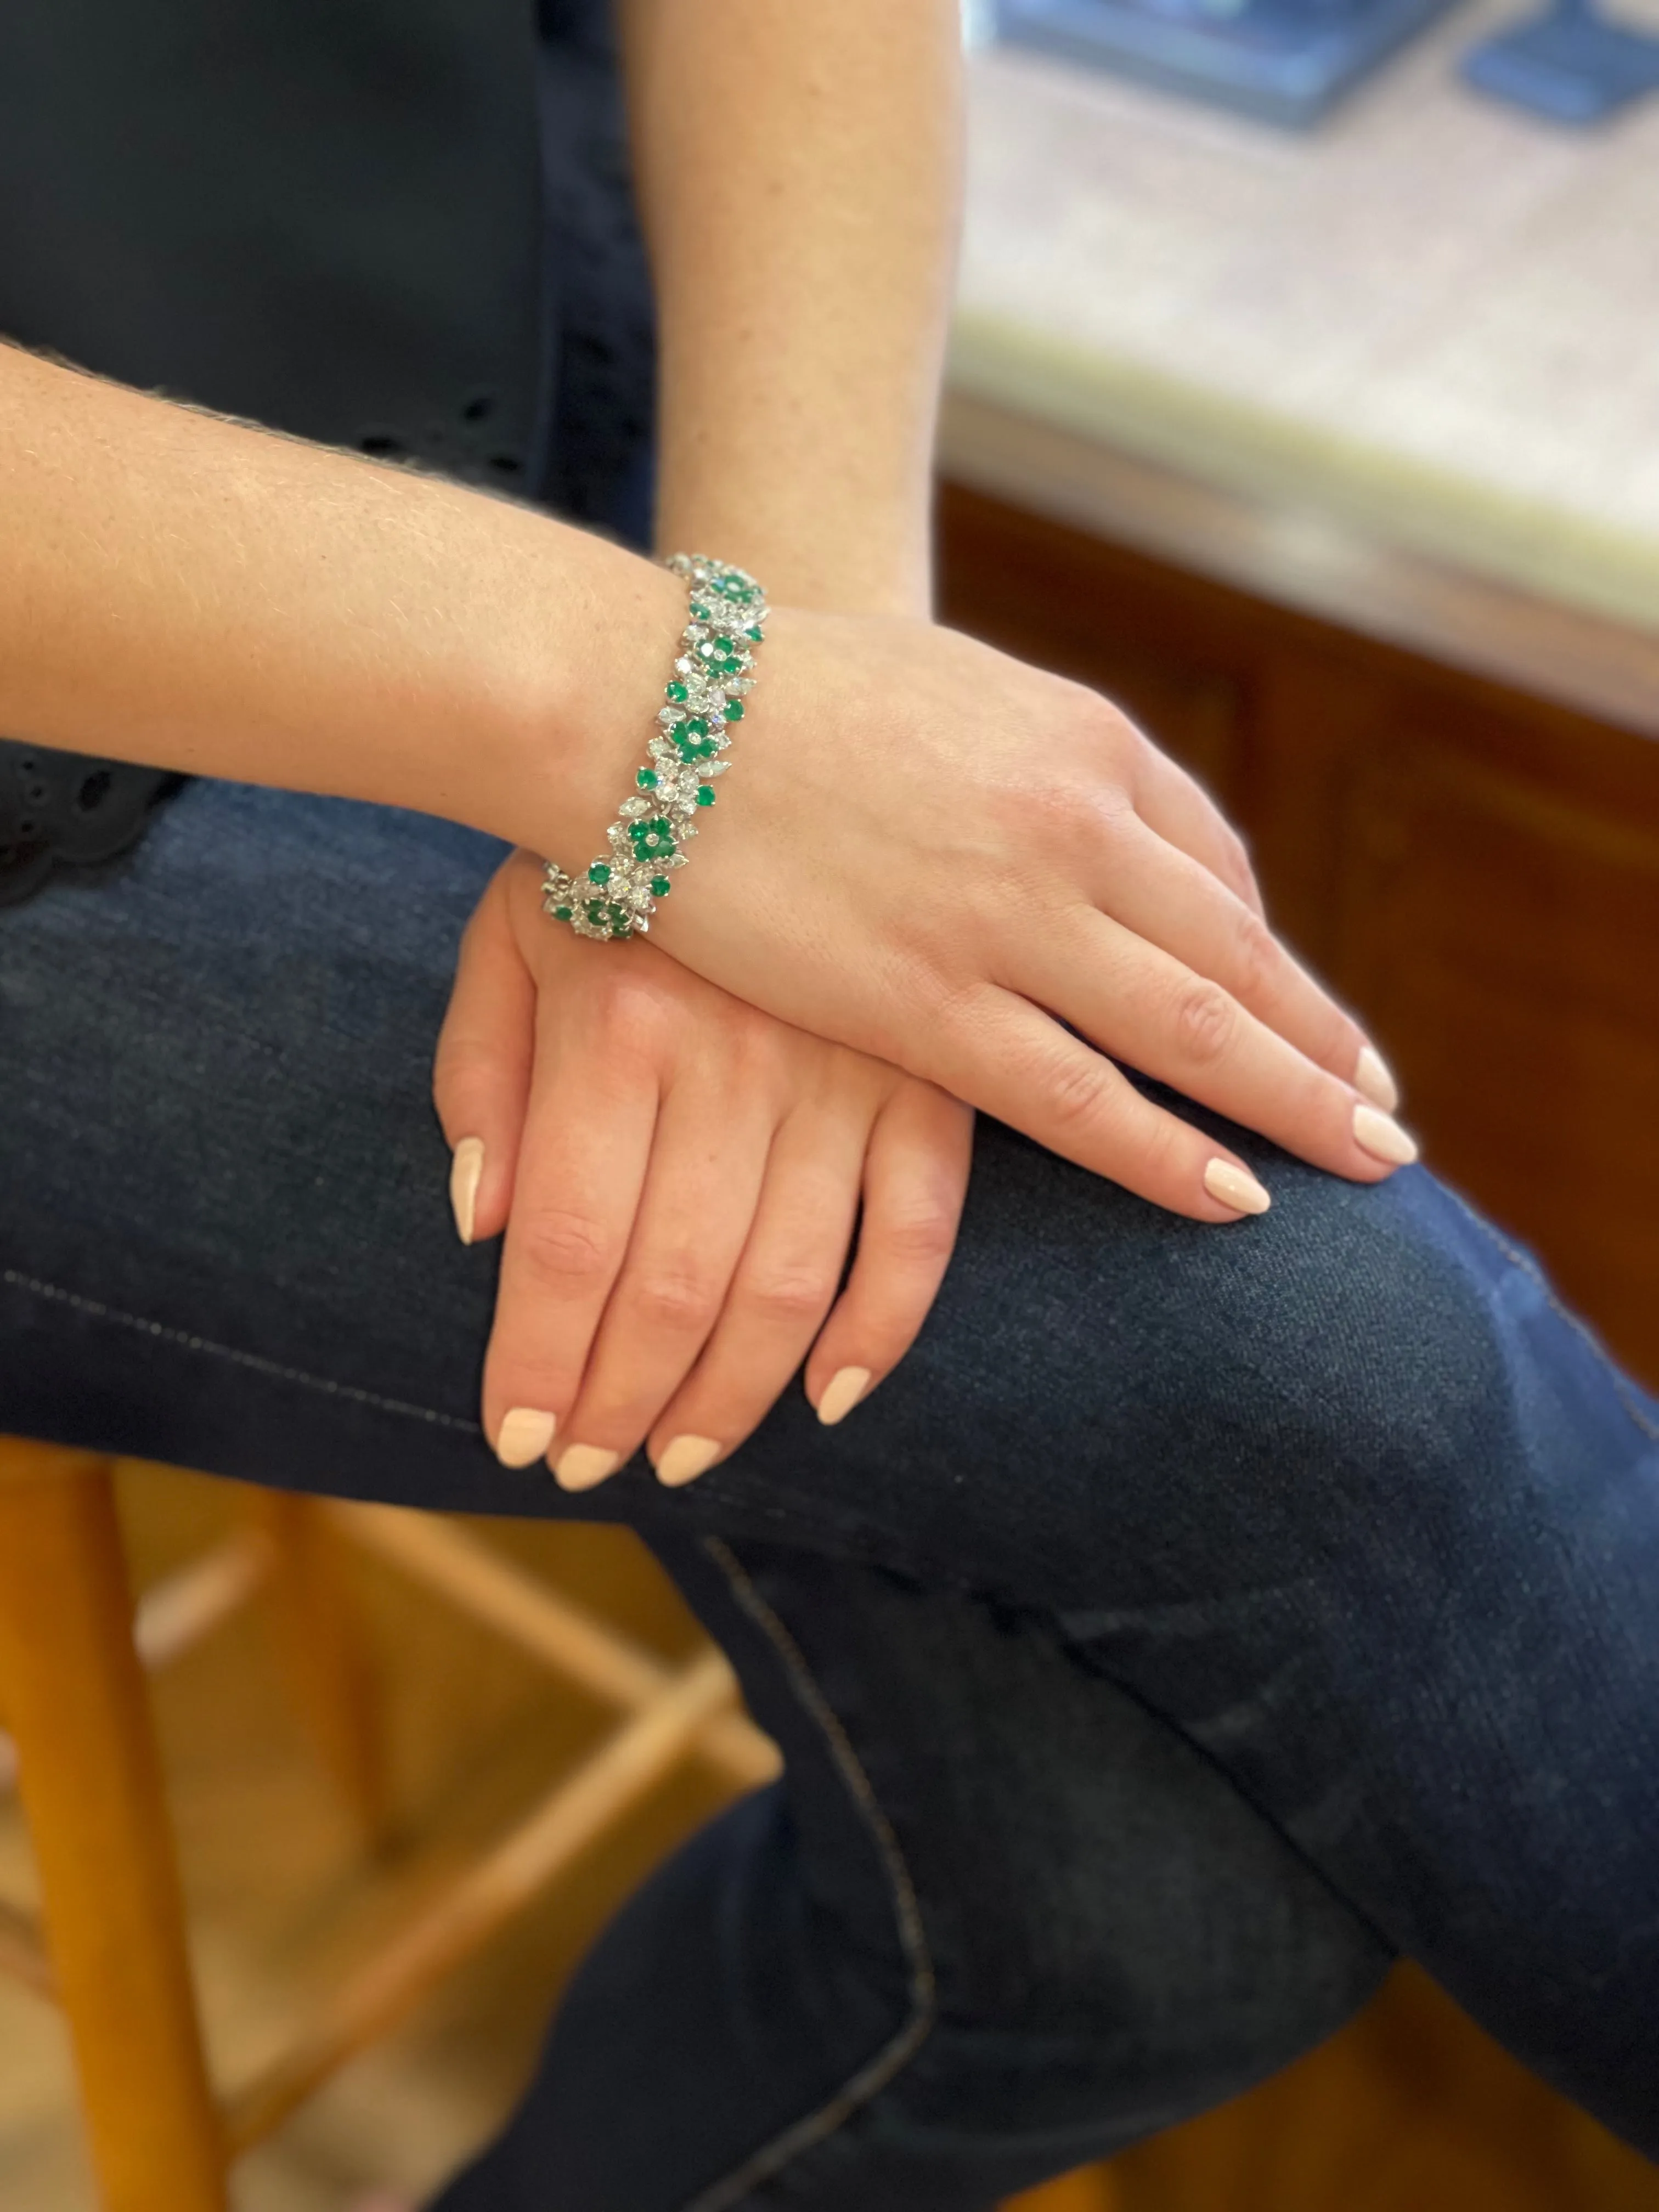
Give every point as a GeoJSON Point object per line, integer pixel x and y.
{"type": "Point", "coordinates": [487, 1897]}
{"type": "Point", "coordinates": [184, 1608]}
{"type": "Point", "coordinates": [542, 1622]}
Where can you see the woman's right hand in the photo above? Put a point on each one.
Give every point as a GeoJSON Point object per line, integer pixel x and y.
{"type": "Point", "coordinates": [989, 876]}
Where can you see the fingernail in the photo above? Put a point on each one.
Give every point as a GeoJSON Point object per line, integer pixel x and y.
{"type": "Point", "coordinates": [524, 1435]}
{"type": "Point", "coordinates": [686, 1458]}
{"type": "Point", "coordinates": [578, 1467]}
{"type": "Point", "coordinates": [1236, 1186]}
{"type": "Point", "coordinates": [841, 1392]}
{"type": "Point", "coordinates": [1375, 1078]}
{"type": "Point", "coordinates": [464, 1171]}
{"type": "Point", "coordinates": [1382, 1136]}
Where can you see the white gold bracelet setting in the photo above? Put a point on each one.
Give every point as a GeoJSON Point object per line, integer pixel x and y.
{"type": "Point", "coordinates": [713, 673]}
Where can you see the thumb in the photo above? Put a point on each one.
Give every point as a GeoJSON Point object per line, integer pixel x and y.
{"type": "Point", "coordinates": [481, 1071]}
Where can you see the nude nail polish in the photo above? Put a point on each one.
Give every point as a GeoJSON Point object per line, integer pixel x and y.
{"type": "Point", "coordinates": [1382, 1136]}
{"type": "Point", "coordinates": [578, 1467]}
{"type": "Point", "coordinates": [524, 1436]}
{"type": "Point", "coordinates": [686, 1458]}
{"type": "Point", "coordinates": [464, 1171]}
{"type": "Point", "coordinates": [1373, 1076]}
{"type": "Point", "coordinates": [1236, 1186]}
{"type": "Point", "coordinates": [841, 1392]}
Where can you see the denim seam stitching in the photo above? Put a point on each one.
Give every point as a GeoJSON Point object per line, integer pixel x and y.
{"type": "Point", "coordinates": [253, 1360]}
{"type": "Point", "coordinates": [1536, 1274]}
{"type": "Point", "coordinates": [877, 2072]}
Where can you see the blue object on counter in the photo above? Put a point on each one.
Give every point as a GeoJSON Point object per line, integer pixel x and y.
{"type": "Point", "coordinates": [1286, 61]}
{"type": "Point", "coordinates": [1571, 65]}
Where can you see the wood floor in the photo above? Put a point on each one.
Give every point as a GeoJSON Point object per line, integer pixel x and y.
{"type": "Point", "coordinates": [1409, 2111]}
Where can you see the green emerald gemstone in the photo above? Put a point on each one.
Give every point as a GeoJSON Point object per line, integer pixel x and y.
{"type": "Point", "coordinates": [599, 872]}
{"type": "Point", "coordinates": [734, 710]}
{"type": "Point", "coordinates": [646, 779]}
{"type": "Point", "coordinates": [705, 794]}
{"type": "Point", "coordinates": [660, 887]}
{"type": "Point", "coordinates": [595, 909]}
{"type": "Point", "coordinates": [700, 612]}
{"type": "Point", "coordinates": [677, 693]}
{"type": "Point", "coordinates": [755, 631]}
{"type": "Point", "coordinates": [561, 914]}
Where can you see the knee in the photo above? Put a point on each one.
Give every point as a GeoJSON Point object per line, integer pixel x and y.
{"type": "Point", "coordinates": [1357, 1357]}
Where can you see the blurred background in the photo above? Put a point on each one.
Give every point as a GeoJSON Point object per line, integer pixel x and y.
{"type": "Point", "coordinates": [1304, 396]}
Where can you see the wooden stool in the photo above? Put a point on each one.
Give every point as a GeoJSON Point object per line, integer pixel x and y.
{"type": "Point", "coordinates": [73, 1697]}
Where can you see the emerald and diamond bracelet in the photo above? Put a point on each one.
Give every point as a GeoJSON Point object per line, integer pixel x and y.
{"type": "Point", "coordinates": [619, 894]}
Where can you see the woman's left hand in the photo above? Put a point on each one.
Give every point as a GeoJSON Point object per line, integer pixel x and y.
{"type": "Point", "coordinates": [679, 1178]}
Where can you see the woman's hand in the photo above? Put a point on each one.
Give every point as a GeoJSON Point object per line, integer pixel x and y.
{"type": "Point", "coordinates": [679, 1177]}
{"type": "Point", "coordinates": [988, 876]}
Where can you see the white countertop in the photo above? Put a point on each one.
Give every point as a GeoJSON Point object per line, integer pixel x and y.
{"type": "Point", "coordinates": [1432, 324]}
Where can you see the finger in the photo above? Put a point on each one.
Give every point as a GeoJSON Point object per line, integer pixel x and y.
{"type": "Point", "coordinates": [1179, 809]}
{"type": "Point", "coordinates": [915, 1179]}
{"type": "Point", "coordinates": [702, 1191]}
{"type": "Point", "coordinates": [481, 1069]}
{"type": "Point", "coordinates": [1141, 1005]}
{"type": "Point", "coordinates": [581, 1171]}
{"type": "Point", "coordinates": [784, 1286]}
{"type": "Point", "coordinates": [1017, 1062]}
{"type": "Point", "coordinates": [1173, 903]}
{"type": "Point", "coordinates": [1186, 917]}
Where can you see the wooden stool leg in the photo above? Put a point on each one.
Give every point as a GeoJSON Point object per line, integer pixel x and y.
{"type": "Point", "coordinates": [91, 1786]}
{"type": "Point", "coordinates": [325, 1655]}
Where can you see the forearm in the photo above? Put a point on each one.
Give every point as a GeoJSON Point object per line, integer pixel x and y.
{"type": "Point", "coordinates": [200, 595]}
{"type": "Point", "coordinates": [799, 173]}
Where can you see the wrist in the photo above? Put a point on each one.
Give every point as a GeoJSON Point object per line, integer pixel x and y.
{"type": "Point", "coordinates": [876, 562]}
{"type": "Point", "coordinates": [578, 721]}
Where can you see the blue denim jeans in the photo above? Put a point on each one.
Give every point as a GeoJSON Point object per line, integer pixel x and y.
{"type": "Point", "coordinates": [1198, 1619]}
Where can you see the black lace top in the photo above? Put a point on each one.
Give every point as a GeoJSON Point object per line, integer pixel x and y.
{"type": "Point", "coordinates": [402, 225]}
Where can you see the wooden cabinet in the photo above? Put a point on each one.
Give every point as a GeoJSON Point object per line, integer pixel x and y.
{"type": "Point", "coordinates": [1474, 871]}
